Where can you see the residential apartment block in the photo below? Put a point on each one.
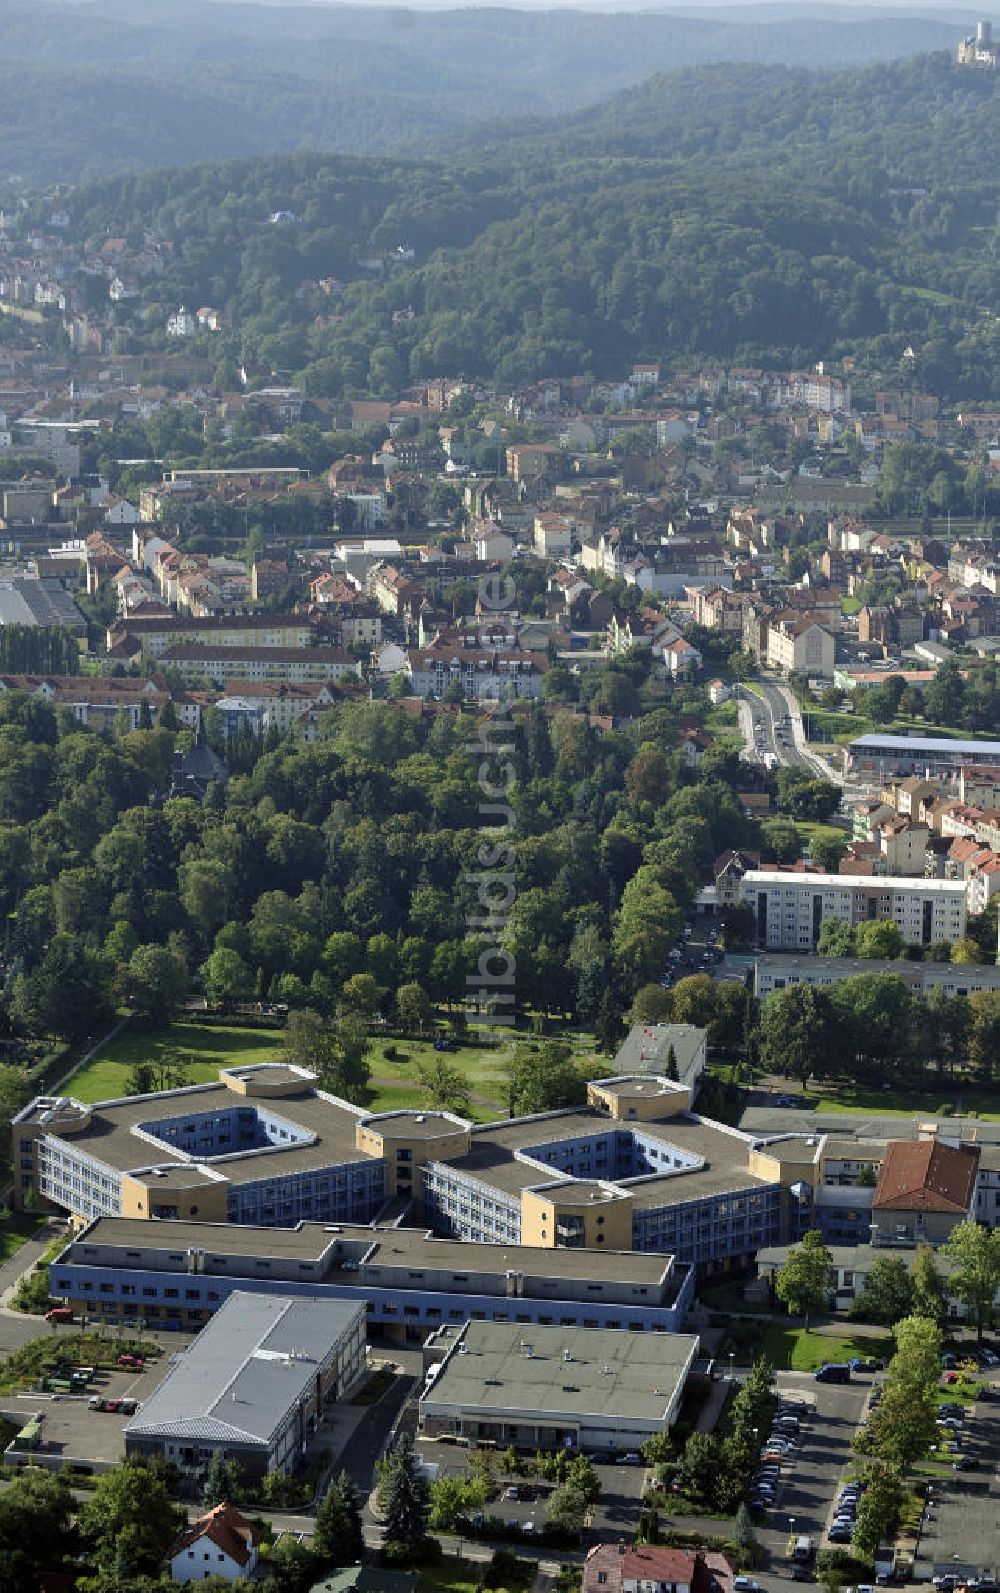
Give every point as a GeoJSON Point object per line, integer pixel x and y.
{"type": "Point", "coordinates": [790, 907]}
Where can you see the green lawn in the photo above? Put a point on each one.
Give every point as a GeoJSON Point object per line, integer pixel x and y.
{"type": "Point", "coordinates": [808, 829]}
{"type": "Point", "coordinates": [105, 1078]}
{"type": "Point", "coordinates": [15, 1228]}
{"type": "Point", "coordinates": [394, 1079]}
{"type": "Point", "coordinates": [837, 727]}
{"type": "Point", "coordinates": [906, 1103]}
{"type": "Point", "coordinates": [802, 1350]}
{"type": "Point", "coordinates": [452, 1575]}
{"type": "Point", "coordinates": [724, 716]}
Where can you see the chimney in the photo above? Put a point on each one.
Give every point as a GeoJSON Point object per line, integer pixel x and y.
{"type": "Point", "coordinates": [621, 1545]}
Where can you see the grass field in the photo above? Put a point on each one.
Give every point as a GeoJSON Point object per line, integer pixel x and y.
{"type": "Point", "coordinates": [906, 1103]}
{"type": "Point", "coordinates": [395, 1082]}
{"type": "Point", "coordinates": [106, 1077]}
{"type": "Point", "coordinates": [15, 1228]}
{"type": "Point", "coordinates": [802, 1350]}
{"type": "Point", "coordinates": [808, 830]}
{"type": "Point", "coordinates": [451, 1575]}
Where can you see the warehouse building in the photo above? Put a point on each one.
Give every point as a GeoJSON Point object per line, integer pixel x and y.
{"type": "Point", "coordinates": [254, 1386]}
{"type": "Point", "coordinates": [580, 1388]}
{"type": "Point", "coordinates": [879, 757]}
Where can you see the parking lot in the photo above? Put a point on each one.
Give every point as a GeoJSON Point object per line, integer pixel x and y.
{"type": "Point", "coordinates": [71, 1430]}
{"type": "Point", "coordinates": [961, 1524]}
{"type": "Point", "coordinates": [810, 1478]}
{"type": "Point", "coordinates": [615, 1515]}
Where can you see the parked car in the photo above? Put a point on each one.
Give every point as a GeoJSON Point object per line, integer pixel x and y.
{"type": "Point", "coordinates": [840, 1532]}
{"type": "Point", "coordinates": [746, 1584]}
{"type": "Point", "coordinates": [833, 1372]}
{"type": "Point", "coordinates": [967, 1463]}
{"type": "Point", "coordinates": [631, 1458]}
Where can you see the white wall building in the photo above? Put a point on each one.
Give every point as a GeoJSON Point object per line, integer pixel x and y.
{"type": "Point", "coordinates": [790, 908]}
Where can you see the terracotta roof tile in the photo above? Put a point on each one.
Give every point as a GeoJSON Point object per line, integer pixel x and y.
{"type": "Point", "coordinates": [925, 1175]}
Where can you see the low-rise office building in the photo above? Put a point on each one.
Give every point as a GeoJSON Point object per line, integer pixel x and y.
{"type": "Point", "coordinates": [772, 973]}
{"type": "Point", "coordinates": [254, 1386]}
{"type": "Point", "coordinates": [583, 1388]}
{"type": "Point", "coordinates": [174, 1275]}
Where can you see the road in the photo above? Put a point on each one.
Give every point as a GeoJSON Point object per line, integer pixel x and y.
{"type": "Point", "coordinates": [761, 710]}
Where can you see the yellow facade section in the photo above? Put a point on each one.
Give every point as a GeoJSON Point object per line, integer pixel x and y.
{"type": "Point", "coordinates": [638, 1100]}
{"type": "Point", "coordinates": [603, 1224]}
{"type": "Point", "coordinates": [199, 1202]}
{"type": "Point", "coordinates": [783, 1171]}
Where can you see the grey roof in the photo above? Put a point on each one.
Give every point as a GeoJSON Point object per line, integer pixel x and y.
{"type": "Point", "coordinates": [647, 1045]}
{"type": "Point", "coordinates": [610, 1372]}
{"type": "Point", "coordinates": [384, 1248]}
{"type": "Point", "coordinates": [492, 1160]}
{"type": "Point", "coordinates": [863, 1126]}
{"type": "Point", "coordinates": [111, 1138]}
{"type": "Point", "coordinates": [256, 1358]}
{"type": "Point", "coordinates": [926, 744]}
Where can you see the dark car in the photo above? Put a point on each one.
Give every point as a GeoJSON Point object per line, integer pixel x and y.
{"type": "Point", "coordinates": [443, 1045]}
{"type": "Point", "coordinates": [966, 1464]}
{"type": "Point", "coordinates": [839, 1533]}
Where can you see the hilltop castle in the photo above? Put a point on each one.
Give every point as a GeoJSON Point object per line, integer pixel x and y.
{"type": "Point", "coordinates": [978, 49]}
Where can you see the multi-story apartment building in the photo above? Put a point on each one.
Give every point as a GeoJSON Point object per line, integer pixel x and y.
{"type": "Point", "coordinates": [954, 978]}
{"type": "Point", "coordinates": [295, 665]}
{"type": "Point", "coordinates": [485, 674]}
{"type": "Point", "coordinates": [790, 907]}
{"type": "Point", "coordinates": [151, 635]}
{"type": "Point", "coordinates": [800, 646]}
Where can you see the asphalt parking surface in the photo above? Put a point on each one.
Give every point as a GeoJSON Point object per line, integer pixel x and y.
{"type": "Point", "coordinates": [615, 1515]}
{"type": "Point", "coordinates": [74, 1432]}
{"type": "Point", "coordinates": [962, 1520]}
{"type": "Point", "coordinates": [811, 1479]}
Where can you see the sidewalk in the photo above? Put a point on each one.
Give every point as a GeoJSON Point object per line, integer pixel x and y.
{"type": "Point", "coordinates": [712, 1409]}
{"type": "Point", "coordinates": [24, 1258]}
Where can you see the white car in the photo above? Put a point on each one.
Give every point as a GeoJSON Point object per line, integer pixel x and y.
{"type": "Point", "coordinates": [746, 1584]}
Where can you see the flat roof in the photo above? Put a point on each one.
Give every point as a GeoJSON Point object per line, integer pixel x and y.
{"type": "Point", "coordinates": [600, 1372]}
{"type": "Point", "coordinates": [725, 1154]}
{"type": "Point", "coordinates": [412, 1124]}
{"type": "Point", "coordinates": [844, 967]}
{"type": "Point", "coordinates": [925, 744]}
{"type": "Point", "coordinates": [255, 1359]}
{"type": "Point", "coordinates": [110, 1136]}
{"type": "Point", "coordinates": [886, 884]}
{"type": "Point", "coordinates": [391, 1247]}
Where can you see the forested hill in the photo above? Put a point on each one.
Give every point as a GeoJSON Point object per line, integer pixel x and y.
{"type": "Point", "coordinates": [122, 85]}
{"type": "Point", "coordinates": [751, 213]}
